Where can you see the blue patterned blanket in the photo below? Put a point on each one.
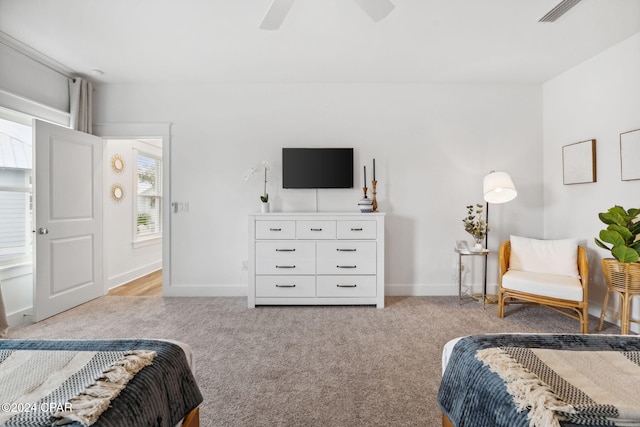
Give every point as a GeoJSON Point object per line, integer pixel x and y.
{"type": "Point", "coordinates": [140, 382]}
{"type": "Point", "coordinates": [473, 395]}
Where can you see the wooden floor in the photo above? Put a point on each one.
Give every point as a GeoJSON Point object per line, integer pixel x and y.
{"type": "Point", "coordinates": [146, 286]}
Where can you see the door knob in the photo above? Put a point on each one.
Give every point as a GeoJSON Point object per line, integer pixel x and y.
{"type": "Point", "coordinates": [43, 230]}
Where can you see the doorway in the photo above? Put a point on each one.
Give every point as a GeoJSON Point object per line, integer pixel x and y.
{"type": "Point", "coordinates": [134, 216]}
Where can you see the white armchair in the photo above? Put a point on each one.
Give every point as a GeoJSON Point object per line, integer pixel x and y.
{"type": "Point", "coordinates": [551, 273]}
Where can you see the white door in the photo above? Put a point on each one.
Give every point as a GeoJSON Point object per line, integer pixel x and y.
{"type": "Point", "coordinates": [68, 219]}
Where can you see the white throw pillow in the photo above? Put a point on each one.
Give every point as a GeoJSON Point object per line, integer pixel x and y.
{"type": "Point", "coordinates": [544, 256]}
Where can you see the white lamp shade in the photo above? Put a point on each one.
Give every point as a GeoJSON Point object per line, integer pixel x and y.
{"type": "Point", "coordinates": [498, 188]}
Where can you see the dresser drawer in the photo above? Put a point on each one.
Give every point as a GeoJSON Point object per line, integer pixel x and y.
{"type": "Point", "coordinates": [357, 230]}
{"type": "Point", "coordinates": [316, 230]}
{"type": "Point", "coordinates": [285, 257]}
{"type": "Point", "coordinates": [351, 257]}
{"type": "Point", "coordinates": [285, 286]}
{"type": "Point", "coordinates": [346, 286]}
{"type": "Point", "coordinates": [275, 230]}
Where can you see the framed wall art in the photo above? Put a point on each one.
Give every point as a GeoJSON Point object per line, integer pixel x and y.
{"type": "Point", "coordinates": [630, 155]}
{"type": "Point", "coordinates": [579, 162]}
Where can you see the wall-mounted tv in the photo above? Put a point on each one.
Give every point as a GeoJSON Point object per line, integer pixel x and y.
{"type": "Point", "coordinates": [317, 168]}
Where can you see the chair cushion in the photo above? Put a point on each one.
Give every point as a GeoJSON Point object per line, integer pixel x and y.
{"type": "Point", "coordinates": [548, 285]}
{"type": "Point", "coordinates": [558, 257]}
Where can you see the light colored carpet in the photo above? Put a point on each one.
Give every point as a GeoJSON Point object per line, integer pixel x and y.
{"type": "Point", "coordinates": [306, 366]}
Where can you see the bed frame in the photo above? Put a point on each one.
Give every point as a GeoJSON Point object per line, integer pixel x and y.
{"type": "Point", "coordinates": [193, 419]}
{"type": "Point", "coordinates": [446, 422]}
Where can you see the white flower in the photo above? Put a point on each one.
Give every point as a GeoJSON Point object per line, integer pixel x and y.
{"type": "Point", "coordinates": [264, 165]}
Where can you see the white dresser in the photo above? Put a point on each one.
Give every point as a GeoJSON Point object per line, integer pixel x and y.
{"type": "Point", "coordinates": [316, 258]}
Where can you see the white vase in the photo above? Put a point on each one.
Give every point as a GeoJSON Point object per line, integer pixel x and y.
{"type": "Point", "coordinates": [478, 246]}
{"type": "Point", "coordinates": [264, 207]}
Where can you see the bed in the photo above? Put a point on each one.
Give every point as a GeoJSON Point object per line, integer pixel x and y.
{"type": "Point", "coordinates": [511, 380]}
{"type": "Point", "coordinates": [106, 383]}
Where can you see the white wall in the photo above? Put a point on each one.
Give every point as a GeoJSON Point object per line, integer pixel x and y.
{"type": "Point", "coordinates": [598, 100]}
{"type": "Point", "coordinates": [23, 76]}
{"type": "Point", "coordinates": [432, 144]}
{"type": "Point", "coordinates": [124, 261]}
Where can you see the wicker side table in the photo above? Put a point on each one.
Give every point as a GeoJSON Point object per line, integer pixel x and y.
{"type": "Point", "coordinates": [623, 279]}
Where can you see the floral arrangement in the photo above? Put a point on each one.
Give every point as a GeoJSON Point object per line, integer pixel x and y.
{"type": "Point", "coordinates": [473, 222]}
{"type": "Point", "coordinates": [265, 196]}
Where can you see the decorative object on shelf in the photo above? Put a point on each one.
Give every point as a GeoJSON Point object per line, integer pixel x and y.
{"type": "Point", "coordinates": [365, 204]}
{"type": "Point", "coordinates": [117, 163]}
{"type": "Point", "coordinates": [621, 273]}
{"type": "Point", "coordinates": [264, 198]}
{"type": "Point", "coordinates": [117, 192]}
{"type": "Point", "coordinates": [629, 154]}
{"type": "Point", "coordinates": [374, 183]}
{"type": "Point", "coordinates": [475, 225]}
{"type": "Point", "coordinates": [579, 162]}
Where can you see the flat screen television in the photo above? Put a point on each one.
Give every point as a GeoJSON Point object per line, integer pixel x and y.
{"type": "Point", "coordinates": [317, 168]}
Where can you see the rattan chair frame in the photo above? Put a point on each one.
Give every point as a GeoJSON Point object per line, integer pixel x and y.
{"type": "Point", "coordinates": [578, 310]}
{"type": "Point", "coordinates": [622, 279]}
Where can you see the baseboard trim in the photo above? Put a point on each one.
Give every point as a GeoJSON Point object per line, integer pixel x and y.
{"type": "Point", "coordinates": [123, 278]}
{"type": "Point", "coordinates": [20, 318]}
{"type": "Point", "coordinates": [204, 290]}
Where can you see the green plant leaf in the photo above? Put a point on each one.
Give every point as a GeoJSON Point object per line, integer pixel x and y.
{"type": "Point", "coordinates": [613, 237]}
{"type": "Point", "coordinates": [613, 217]}
{"type": "Point", "coordinates": [625, 254]}
{"type": "Point", "coordinates": [602, 245]}
{"type": "Point", "coordinates": [624, 232]}
{"type": "Point", "coordinates": [634, 212]}
{"type": "Point", "coordinates": [606, 218]}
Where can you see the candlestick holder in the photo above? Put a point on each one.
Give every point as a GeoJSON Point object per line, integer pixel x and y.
{"type": "Point", "coordinates": [365, 204]}
{"type": "Point", "coordinates": [374, 202]}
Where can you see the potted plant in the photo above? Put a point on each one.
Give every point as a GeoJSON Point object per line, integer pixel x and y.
{"type": "Point", "coordinates": [622, 272]}
{"type": "Point", "coordinates": [475, 225]}
{"type": "Point", "coordinates": [623, 228]}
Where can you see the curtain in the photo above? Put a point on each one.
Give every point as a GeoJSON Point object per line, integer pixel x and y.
{"type": "Point", "coordinates": [4, 324]}
{"type": "Point", "coordinates": [81, 104]}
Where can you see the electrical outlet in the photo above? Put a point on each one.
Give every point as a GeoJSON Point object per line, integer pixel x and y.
{"type": "Point", "coordinates": [244, 266]}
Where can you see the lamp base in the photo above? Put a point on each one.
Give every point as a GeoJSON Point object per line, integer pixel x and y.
{"type": "Point", "coordinates": [488, 299]}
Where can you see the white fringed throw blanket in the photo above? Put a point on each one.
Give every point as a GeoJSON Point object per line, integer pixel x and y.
{"type": "Point", "coordinates": [44, 387]}
{"type": "Point", "coordinates": [582, 387]}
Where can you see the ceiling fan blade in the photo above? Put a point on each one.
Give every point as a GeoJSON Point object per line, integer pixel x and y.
{"type": "Point", "coordinates": [376, 9]}
{"type": "Point", "coordinates": [276, 14]}
{"type": "Point", "coordinates": [559, 10]}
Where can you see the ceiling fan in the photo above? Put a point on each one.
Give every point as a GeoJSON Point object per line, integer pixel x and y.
{"type": "Point", "coordinates": [376, 9]}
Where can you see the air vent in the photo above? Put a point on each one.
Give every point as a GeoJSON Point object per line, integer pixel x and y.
{"type": "Point", "coordinates": [560, 9]}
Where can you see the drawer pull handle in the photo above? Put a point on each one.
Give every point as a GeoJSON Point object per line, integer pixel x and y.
{"type": "Point", "coordinates": [285, 266]}
{"type": "Point", "coordinates": [356, 229]}
{"type": "Point", "coordinates": [346, 286]}
{"type": "Point", "coordinates": [346, 266]}
{"type": "Point", "coordinates": [275, 229]}
{"type": "Point", "coordinates": [316, 229]}
{"type": "Point", "coordinates": [346, 250]}
{"type": "Point", "coordinates": [285, 286]}
{"type": "Point", "coordinates": [285, 250]}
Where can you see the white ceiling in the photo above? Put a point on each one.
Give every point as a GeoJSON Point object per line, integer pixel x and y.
{"type": "Point", "coordinates": [320, 40]}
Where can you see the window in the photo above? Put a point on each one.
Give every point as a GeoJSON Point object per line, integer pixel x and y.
{"type": "Point", "coordinates": [148, 212]}
{"type": "Point", "coordinates": [15, 192]}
